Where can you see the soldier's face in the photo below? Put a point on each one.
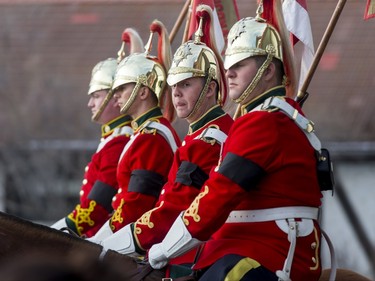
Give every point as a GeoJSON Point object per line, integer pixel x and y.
{"type": "Point", "coordinates": [240, 75]}
{"type": "Point", "coordinates": [95, 101]}
{"type": "Point", "coordinates": [185, 95]}
{"type": "Point", "coordinates": [111, 110]}
{"type": "Point", "coordinates": [122, 93]}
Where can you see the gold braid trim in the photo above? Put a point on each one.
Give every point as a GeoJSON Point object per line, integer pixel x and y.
{"type": "Point", "coordinates": [117, 214]}
{"type": "Point", "coordinates": [83, 216]}
{"type": "Point", "coordinates": [145, 220]}
{"type": "Point", "coordinates": [193, 209]}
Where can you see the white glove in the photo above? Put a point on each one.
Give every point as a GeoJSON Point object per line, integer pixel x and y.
{"type": "Point", "coordinates": [104, 232]}
{"type": "Point", "coordinates": [59, 224]}
{"type": "Point", "coordinates": [177, 242]}
{"type": "Point", "coordinates": [156, 256]}
{"type": "Point", "coordinates": [121, 241]}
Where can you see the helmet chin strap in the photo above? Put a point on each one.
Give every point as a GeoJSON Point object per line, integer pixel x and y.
{"type": "Point", "coordinates": [141, 81]}
{"type": "Point", "coordinates": [202, 94]}
{"type": "Point", "coordinates": [250, 88]}
{"type": "Point", "coordinates": [103, 106]}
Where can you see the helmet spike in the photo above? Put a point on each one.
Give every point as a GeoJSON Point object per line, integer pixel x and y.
{"type": "Point", "coordinates": [259, 11]}
{"type": "Point", "coordinates": [148, 45]}
{"type": "Point", "coordinates": [145, 69]}
{"type": "Point", "coordinates": [199, 33]}
{"type": "Point", "coordinates": [121, 52]}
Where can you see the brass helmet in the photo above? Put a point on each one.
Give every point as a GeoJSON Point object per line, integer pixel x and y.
{"type": "Point", "coordinates": [103, 72]}
{"type": "Point", "coordinates": [197, 58]}
{"type": "Point", "coordinates": [102, 75]}
{"type": "Point", "coordinates": [252, 37]}
{"type": "Point", "coordinates": [145, 69]}
{"type": "Point", "coordinates": [141, 68]}
{"type": "Point", "coordinates": [192, 60]}
{"type": "Point", "coordinates": [264, 35]}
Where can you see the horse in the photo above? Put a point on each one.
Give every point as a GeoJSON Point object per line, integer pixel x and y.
{"type": "Point", "coordinates": [39, 246]}
{"type": "Point", "coordinates": [35, 242]}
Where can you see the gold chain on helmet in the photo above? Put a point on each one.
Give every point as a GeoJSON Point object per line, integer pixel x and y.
{"type": "Point", "coordinates": [106, 100]}
{"type": "Point", "coordinates": [270, 54]}
{"type": "Point", "coordinates": [104, 104]}
{"type": "Point", "coordinates": [203, 92]}
{"type": "Point", "coordinates": [211, 72]}
{"type": "Point", "coordinates": [120, 56]}
{"type": "Point", "coordinates": [141, 81]}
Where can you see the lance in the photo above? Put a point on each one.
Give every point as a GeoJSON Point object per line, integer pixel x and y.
{"type": "Point", "coordinates": [302, 94]}
{"type": "Point", "coordinates": [179, 21]}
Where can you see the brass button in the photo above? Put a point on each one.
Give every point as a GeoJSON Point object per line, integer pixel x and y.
{"type": "Point", "coordinates": [313, 245]}
{"type": "Point", "coordinates": [84, 181]}
{"type": "Point", "coordinates": [81, 193]}
{"type": "Point", "coordinates": [134, 125]}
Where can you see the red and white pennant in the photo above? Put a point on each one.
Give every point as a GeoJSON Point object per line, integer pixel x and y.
{"type": "Point", "coordinates": [297, 21]}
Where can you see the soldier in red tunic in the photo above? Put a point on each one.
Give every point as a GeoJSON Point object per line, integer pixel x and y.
{"type": "Point", "coordinates": [100, 183]}
{"type": "Point", "coordinates": [139, 85]}
{"type": "Point", "coordinates": [258, 211]}
{"type": "Point", "coordinates": [195, 78]}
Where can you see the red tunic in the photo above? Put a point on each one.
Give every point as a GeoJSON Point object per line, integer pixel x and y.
{"type": "Point", "coordinates": [274, 142]}
{"type": "Point", "coordinates": [93, 210]}
{"type": "Point", "coordinates": [199, 156]}
{"type": "Point", "coordinates": [142, 170]}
